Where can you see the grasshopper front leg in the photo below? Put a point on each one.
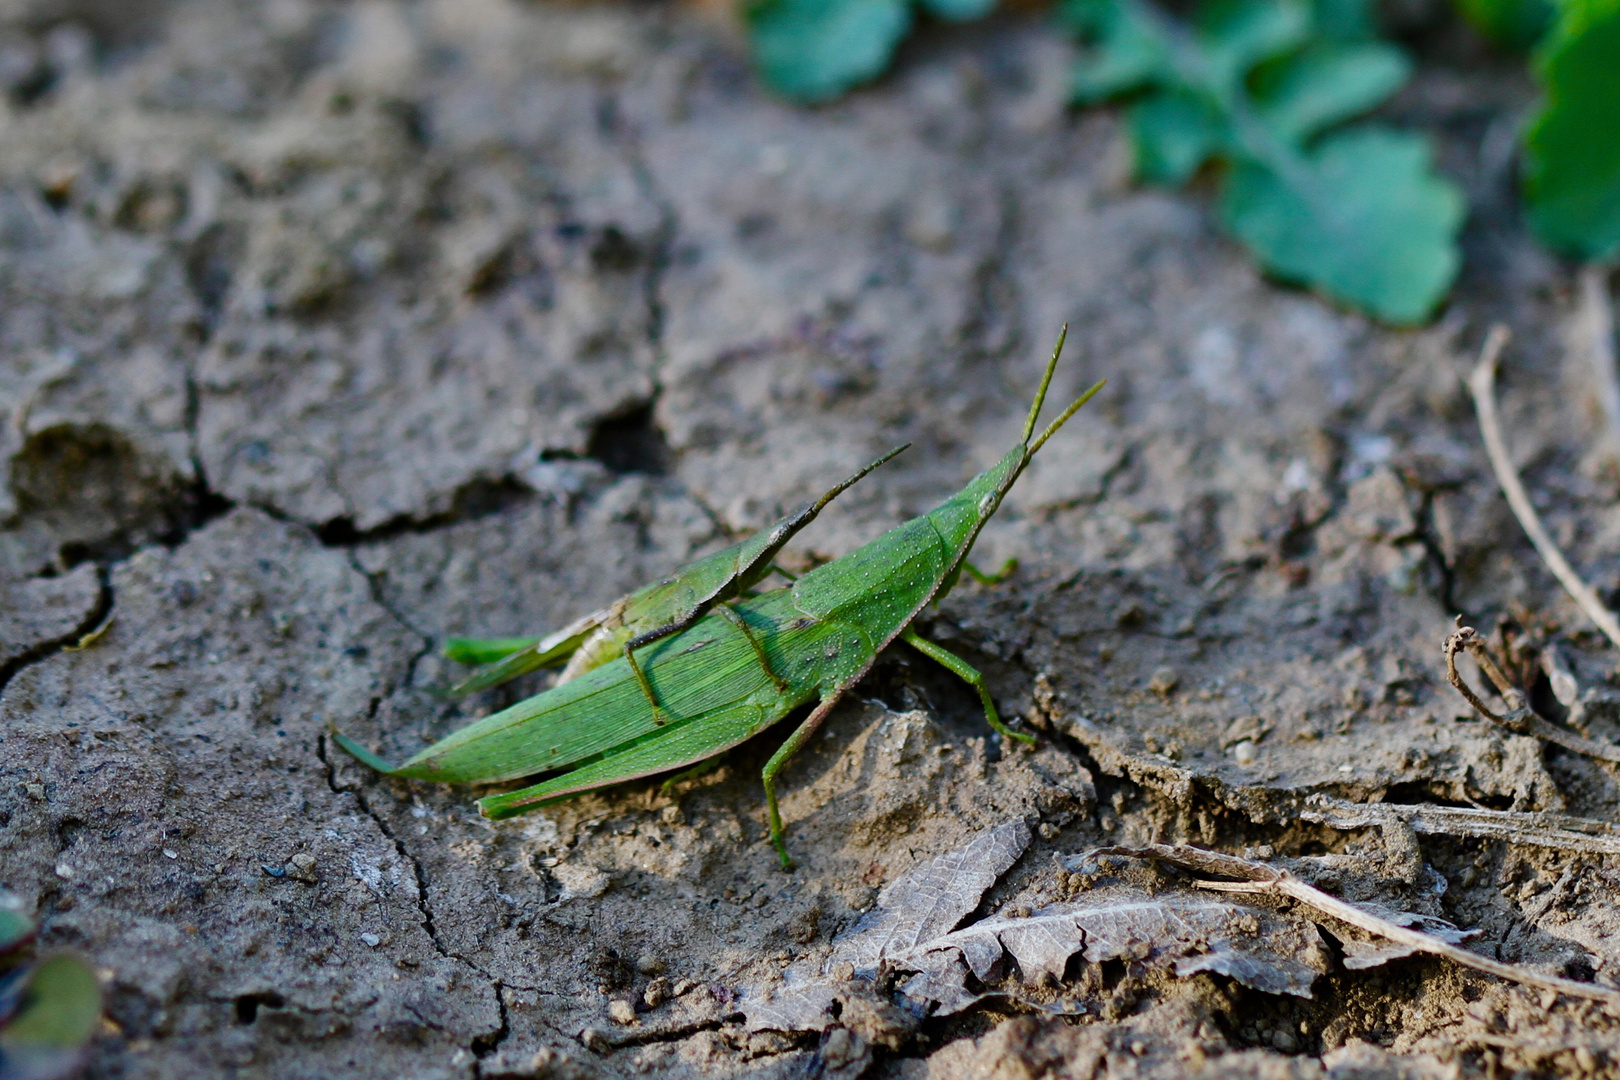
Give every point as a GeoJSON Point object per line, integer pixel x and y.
{"type": "Point", "coordinates": [726, 612]}
{"type": "Point", "coordinates": [970, 674]}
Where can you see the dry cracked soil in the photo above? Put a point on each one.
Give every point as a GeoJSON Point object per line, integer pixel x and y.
{"type": "Point", "coordinates": [329, 329]}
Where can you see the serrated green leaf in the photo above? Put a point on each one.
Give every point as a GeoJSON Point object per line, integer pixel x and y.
{"type": "Point", "coordinates": [1518, 23]}
{"type": "Point", "coordinates": [1573, 148]}
{"type": "Point", "coordinates": [814, 50]}
{"type": "Point", "coordinates": [1173, 133]}
{"type": "Point", "coordinates": [1238, 34]}
{"type": "Point", "coordinates": [1302, 95]}
{"type": "Point", "coordinates": [959, 10]}
{"type": "Point", "coordinates": [1363, 219]}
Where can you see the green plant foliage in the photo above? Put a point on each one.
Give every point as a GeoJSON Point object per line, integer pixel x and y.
{"type": "Point", "coordinates": [812, 51]}
{"type": "Point", "coordinates": [1361, 217]}
{"type": "Point", "coordinates": [1573, 147]}
{"type": "Point", "coordinates": [1327, 84]}
{"type": "Point", "coordinates": [1255, 85]}
{"type": "Point", "coordinates": [49, 1007]}
{"type": "Point", "coordinates": [1517, 23]}
{"type": "Point", "coordinates": [958, 10]}
{"type": "Point", "coordinates": [60, 1006]}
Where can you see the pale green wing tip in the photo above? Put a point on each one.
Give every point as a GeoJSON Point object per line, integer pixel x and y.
{"type": "Point", "coordinates": [360, 753]}
{"type": "Point", "coordinates": [475, 651]}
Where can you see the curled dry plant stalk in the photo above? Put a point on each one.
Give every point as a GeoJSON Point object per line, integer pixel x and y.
{"type": "Point", "coordinates": [1518, 718]}
{"type": "Point", "coordinates": [1260, 879]}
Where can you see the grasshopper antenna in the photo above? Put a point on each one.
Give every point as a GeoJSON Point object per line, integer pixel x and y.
{"type": "Point", "coordinates": [1046, 380]}
{"type": "Point", "coordinates": [821, 503]}
{"type": "Point", "coordinates": [1070, 411]}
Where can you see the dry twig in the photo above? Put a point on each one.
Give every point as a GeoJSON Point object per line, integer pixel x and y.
{"type": "Point", "coordinates": [1596, 320]}
{"type": "Point", "coordinates": [1482, 385]}
{"type": "Point", "coordinates": [1519, 718]}
{"type": "Point", "coordinates": [1258, 878]}
{"type": "Point", "coordinates": [1537, 829]}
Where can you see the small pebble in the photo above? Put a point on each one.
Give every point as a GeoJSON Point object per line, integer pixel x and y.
{"type": "Point", "coordinates": [648, 964]}
{"type": "Point", "coordinates": [657, 993]}
{"type": "Point", "coordinates": [595, 1039]}
{"type": "Point", "coordinates": [371, 939]}
{"type": "Point", "coordinates": [169, 853]}
{"type": "Point", "coordinates": [35, 791]}
{"type": "Point", "coordinates": [1244, 753]}
{"type": "Point", "coordinates": [1164, 681]}
{"type": "Point", "coordinates": [687, 985]}
{"type": "Point", "coordinates": [621, 1011]}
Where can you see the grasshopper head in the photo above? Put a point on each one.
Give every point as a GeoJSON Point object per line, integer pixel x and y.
{"type": "Point", "coordinates": [991, 486]}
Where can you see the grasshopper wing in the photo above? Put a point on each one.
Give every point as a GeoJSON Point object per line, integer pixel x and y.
{"type": "Point", "coordinates": [707, 670]}
{"type": "Point", "coordinates": [529, 655]}
{"type": "Point", "coordinates": [660, 608]}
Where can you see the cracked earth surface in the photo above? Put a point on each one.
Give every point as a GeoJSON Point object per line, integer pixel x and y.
{"type": "Point", "coordinates": [332, 329]}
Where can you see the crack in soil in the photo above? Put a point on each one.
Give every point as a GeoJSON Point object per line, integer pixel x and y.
{"type": "Point", "coordinates": [100, 612]}
{"type": "Point", "coordinates": [423, 906]}
{"type": "Point", "coordinates": [481, 1046]}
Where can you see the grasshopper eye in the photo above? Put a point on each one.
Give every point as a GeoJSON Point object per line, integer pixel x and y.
{"type": "Point", "coordinates": [987, 505]}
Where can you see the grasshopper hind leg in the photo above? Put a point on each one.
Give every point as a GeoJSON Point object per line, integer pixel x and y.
{"type": "Point", "coordinates": [795, 743]}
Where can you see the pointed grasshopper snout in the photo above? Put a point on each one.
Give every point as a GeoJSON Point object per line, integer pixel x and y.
{"type": "Point", "coordinates": [714, 662]}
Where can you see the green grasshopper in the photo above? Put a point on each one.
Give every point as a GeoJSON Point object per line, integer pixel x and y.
{"type": "Point", "coordinates": [726, 677]}
{"type": "Point", "coordinates": [650, 613]}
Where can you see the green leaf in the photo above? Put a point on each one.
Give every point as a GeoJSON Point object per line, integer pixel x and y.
{"type": "Point", "coordinates": [1363, 219]}
{"type": "Point", "coordinates": [1173, 133]}
{"type": "Point", "coordinates": [1344, 20]}
{"type": "Point", "coordinates": [61, 1005]}
{"type": "Point", "coordinates": [1517, 23]}
{"type": "Point", "coordinates": [1130, 51]}
{"type": "Point", "coordinates": [1328, 84]}
{"type": "Point", "coordinates": [814, 50]}
{"type": "Point", "coordinates": [15, 927]}
{"type": "Point", "coordinates": [959, 10]}
{"type": "Point", "coordinates": [1573, 147]}
{"type": "Point", "coordinates": [1238, 34]}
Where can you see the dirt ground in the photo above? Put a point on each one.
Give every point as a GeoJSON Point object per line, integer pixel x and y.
{"type": "Point", "coordinates": [330, 329]}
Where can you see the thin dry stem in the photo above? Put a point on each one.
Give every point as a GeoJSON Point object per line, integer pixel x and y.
{"type": "Point", "coordinates": [1257, 877]}
{"type": "Point", "coordinates": [1482, 384]}
{"type": "Point", "coordinates": [1595, 318]}
{"type": "Point", "coordinates": [1537, 829]}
